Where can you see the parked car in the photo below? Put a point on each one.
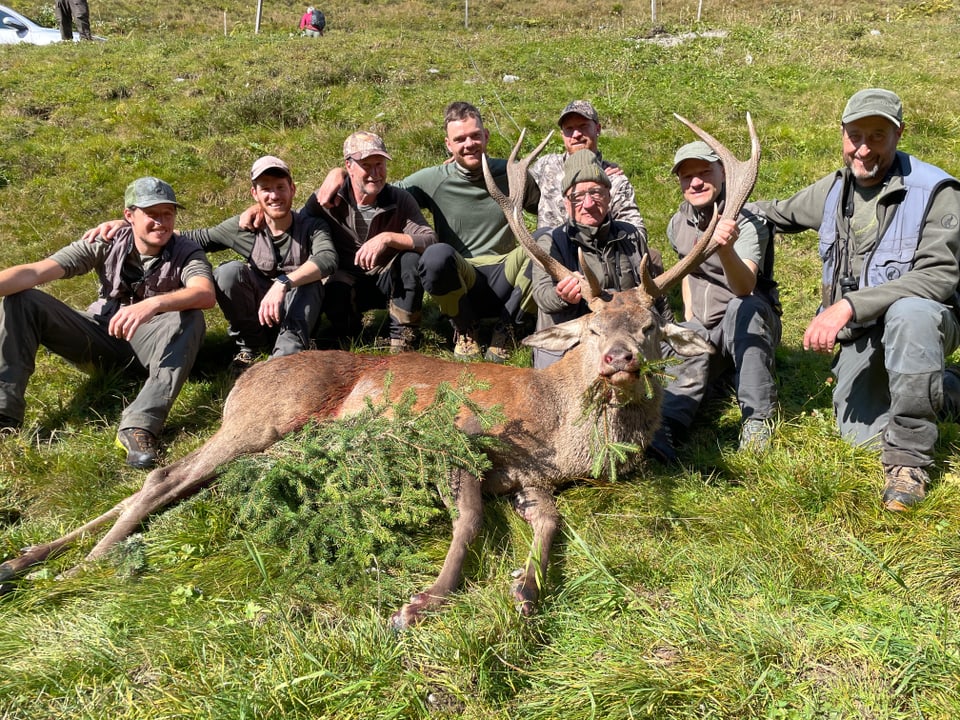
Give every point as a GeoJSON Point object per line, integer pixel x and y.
{"type": "Point", "coordinates": [16, 28]}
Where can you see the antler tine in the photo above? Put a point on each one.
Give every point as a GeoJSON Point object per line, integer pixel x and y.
{"type": "Point", "coordinates": [741, 176]}
{"type": "Point", "coordinates": [512, 207]}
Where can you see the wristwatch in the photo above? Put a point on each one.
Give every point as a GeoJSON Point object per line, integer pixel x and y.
{"type": "Point", "coordinates": [283, 280]}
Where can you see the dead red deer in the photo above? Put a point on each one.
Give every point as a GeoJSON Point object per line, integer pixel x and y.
{"type": "Point", "coordinates": [544, 443]}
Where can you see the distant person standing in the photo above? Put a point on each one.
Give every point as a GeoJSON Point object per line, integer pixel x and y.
{"type": "Point", "coordinates": [70, 10]}
{"type": "Point", "coordinates": [312, 22]}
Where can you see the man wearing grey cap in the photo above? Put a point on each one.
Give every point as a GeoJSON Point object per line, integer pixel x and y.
{"type": "Point", "coordinates": [154, 285]}
{"type": "Point", "coordinates": [380, 233]}
{"type": "Point", "coordinates": [611, 248]}
{"type": "Point", "coordinates": [730, 301]}
{"type": "Point", "coordinates": [580, 130]}
{"type": "Point", "coordinates": [889, 228]}
{"type": "Point", "coordinates": [272, 298]}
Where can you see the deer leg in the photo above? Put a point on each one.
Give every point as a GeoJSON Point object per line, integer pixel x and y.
{"type": "Point", "coordinates": [167, 485]}
{"type": "Point", "coordinates": [466, 526]}
{"type": "Point", "coordinates": [539, 509]}
{"type": "Point", "coordinates": [38, 553]}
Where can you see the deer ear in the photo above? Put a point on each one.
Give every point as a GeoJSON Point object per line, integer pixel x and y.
{"type": "Point", "coordinates": [685, 341]}
{"type": "Point", "coordinates": [558, 338]}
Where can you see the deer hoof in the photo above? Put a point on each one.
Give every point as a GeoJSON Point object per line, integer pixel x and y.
{"type": "Point", "coordinates": [526, 596]}
{"type": "Point", "coordinates": [412, 613]}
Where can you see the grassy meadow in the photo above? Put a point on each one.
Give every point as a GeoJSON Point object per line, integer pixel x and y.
{"type": "Point", "coordinates": [738, 586]}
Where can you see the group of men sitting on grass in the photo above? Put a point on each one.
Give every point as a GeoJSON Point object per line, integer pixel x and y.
{"type": "Point", "coordinates": [889, 228]}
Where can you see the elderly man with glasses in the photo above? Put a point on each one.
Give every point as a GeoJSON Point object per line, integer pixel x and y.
{"type": "Point", "coordinates": [612, 248]}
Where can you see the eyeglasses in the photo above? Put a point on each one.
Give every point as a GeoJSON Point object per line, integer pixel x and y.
{"type": "Point", "coordinates": [596, 194]}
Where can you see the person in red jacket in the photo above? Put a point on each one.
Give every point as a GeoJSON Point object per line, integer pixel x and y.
{"type": "Point", "coordinates": [312, 23]}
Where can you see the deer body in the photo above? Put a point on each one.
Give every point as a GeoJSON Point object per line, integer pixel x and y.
{"type": "Point", "coordinates": [547, 436]}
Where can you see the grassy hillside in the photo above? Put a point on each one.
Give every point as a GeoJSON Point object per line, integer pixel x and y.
{"type": "Point", "coordinates": [739, 586]}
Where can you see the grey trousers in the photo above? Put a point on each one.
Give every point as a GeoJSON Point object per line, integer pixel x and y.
{"type": "Point", "coordinates": [240, 290]}
{"type": "Point", "coordinates": [889, 381]}
{"type": "Point", "coordinates": [69, 11]}
{"type": "Point", "coordinates": [166, 347]}
{"type": "Point", "coordinates": [745, 341]}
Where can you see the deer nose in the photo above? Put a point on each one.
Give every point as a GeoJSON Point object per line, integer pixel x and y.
{"type": "Point", "coordinates": [619, 357]}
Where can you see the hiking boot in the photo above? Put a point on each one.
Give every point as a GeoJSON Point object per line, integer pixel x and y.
{"type": "Point", "coordinates": [141, 447]}
{"type": "Point", "coordinates": [755, 435]}
{"type": "Point", "coordinates": [661, 447]}
{"type": "Point", "coordinates": [9, 425]}
{"type": "Point", "coordinates": [501, 344]}
{"type": "Point", "coordinates": [465, 345]}
{"type": "Point", "coordinates": [950, 411]}
{"type": "Point", "coordinates": [904, 487]}
{"type": "Point", "coordinates": [406, 340]}
{"type": "Point", "coordinates": [242, 362]}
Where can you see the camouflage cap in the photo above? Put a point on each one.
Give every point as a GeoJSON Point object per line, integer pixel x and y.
{"type": "Point", "coordinates": [873, 101]}
{"type": "Point", "coordinates": [269, 162]}
{"type": "Point", "coordinates": [697, 150]}
{"type": "Point", "coordinates": [149, 191]}
{"type": "Point", "coordinates": [583, 166]}
{"type": "Point", "coordinates": [579, 107]}
{"type": "Point", "coordinates": [362, 145]}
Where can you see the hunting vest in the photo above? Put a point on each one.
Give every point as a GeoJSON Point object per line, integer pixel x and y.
{"type": "Point", "coordinates": [894, 253]}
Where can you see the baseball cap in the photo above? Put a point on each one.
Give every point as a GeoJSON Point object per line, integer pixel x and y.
{"type": "Point", "coordinates": [697, 150]}
{"type": "Point", "coordinates": [363, 144]}
{"type": "Point", "coordinates": [583, 166]}
{"type": "Point", "coordinates": [579, 107]}
{"type": "Point", "coordinates": [149, 191]}
{"type": "Point", "coordinates": [269, 162]}
{"type": "Point", "coordinates": [873, 101]}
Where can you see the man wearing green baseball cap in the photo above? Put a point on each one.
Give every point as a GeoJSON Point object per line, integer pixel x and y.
{"type": "Point", "coordinates": [154, 286]}
{"type": "Point", "coordinates": [889, 227]}
{"type": "Point", "coordinates": [730, 301]}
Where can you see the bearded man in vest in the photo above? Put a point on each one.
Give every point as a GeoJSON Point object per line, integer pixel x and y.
{"type": "Point", "coordinates": [889, 227]}
{"type": "Point", "coordinates": [154, 286]}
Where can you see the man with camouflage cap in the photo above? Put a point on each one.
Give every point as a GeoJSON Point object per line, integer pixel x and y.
{"type": "Point", "coordinates": [580, 130]}
{"type": "Point", "coordinates": [379, 232]}
{"type": "Point", "coordinates": [154, 285]}
{"type": "Point", "coordinates": [272, 298]}
{"type": "Point", "coordinates": [730, 301]}
{"type": "Point", "coordinates": [889, 229]}
{"type": "Point", "coordinates": [612, 248]}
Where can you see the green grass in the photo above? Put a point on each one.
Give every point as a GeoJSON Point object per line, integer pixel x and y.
{"type": "Point", "coordinates": [744, 586]}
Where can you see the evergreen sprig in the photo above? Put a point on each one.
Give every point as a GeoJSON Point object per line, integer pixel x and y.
{"type": "Point", "coordinates": [342, 497]}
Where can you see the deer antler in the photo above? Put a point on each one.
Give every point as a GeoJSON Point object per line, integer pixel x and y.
{"type": "Point", "coordinates": [512, 207]}
{"type": "Point", "coordinates": [741, 176]}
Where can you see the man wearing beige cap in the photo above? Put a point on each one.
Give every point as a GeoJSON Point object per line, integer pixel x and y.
{"type": "Point", "coordinates": [272, 298]}
{"type": "Point", "coordinates": [612, 249]}
{"type": "Point", "coordinates": [580, 130]}
{"type": "Point", "coordinates": [154, 285]}
{"type": "Point", "coordinates": [730, 301]}
{"type": "Point", "coordinates": [889, 228]}
{"type": "Point", "coordinates": [379, 233]}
